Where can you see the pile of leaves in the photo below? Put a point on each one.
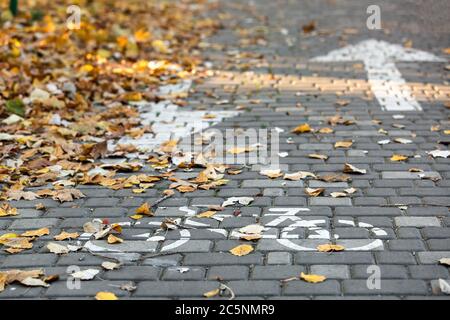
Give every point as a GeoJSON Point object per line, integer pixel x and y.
{"type": "Point", "coordinates": [65, 92]}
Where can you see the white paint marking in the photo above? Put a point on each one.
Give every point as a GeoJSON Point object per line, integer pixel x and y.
{"type": "Point", "coordinates": [385, 79]}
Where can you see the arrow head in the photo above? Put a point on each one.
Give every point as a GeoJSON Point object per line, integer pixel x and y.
{"type": "Point", "coordinates": [377, 51]}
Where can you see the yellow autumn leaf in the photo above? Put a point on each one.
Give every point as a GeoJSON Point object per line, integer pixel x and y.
{"type": "Point", "coordinates": [211, 293]}
{"type": "Point", "coordinates": [303, 128]}
{"type": "Point", "coordinates": [241, 250]}
{"type": "Point", "coordinates": [447, 132]}
{"type": "Point", "coordinates": [136, 216]}
{"type": "Point", "coordinates": [138, 191]}
{"type": "Point", "coordinates": [144, 209]}
{"type": "Point", "coordinates": [312, 278]}
{"type": "Point", "coordinates": [206, 214]}
{"type": "Point", "coordinates": [142, 35]}
{"type": "Point", "coordinates": [112, 239]}
{"type": "Point", "coordinates": [330, 247]}
{"type": "Point", "coordinates": [160, 46]}
{"type": "Point", "coordinates": [398, 157]}
{"type": "Point", "coordinates": [105, 295]}
{"type": "Point", "coordinates": [36, 233]}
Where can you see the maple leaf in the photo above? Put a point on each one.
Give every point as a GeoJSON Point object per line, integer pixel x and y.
{"type": "Point", "coordinates": [67, 195]}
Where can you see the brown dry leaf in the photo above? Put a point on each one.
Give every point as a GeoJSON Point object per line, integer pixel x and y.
{"type": "Point", "coordinates": [348, 168]}
{"type": "Point", "coordinates": [312, 278]}
{"type": "Point", "coordinates": [343, 144]}
{"type": "Point", "coordinates": [186, 188]}
{"type": "Point", "coordinates": [314, 192]}
{"type": "Point", "coordinates": [212, 293]}
{"type": "Point", "coordinates": [57, 248]}
{"type": "Point", "coordinates": [105, 295]}
{"type": "Point", "coordinates": [234, 172]}
{"type": "Point", "coordinates": [303, 128]}
{"type": "Point", "coordinates": [335, 178]}
{"type": "Point", "coordinates": [330, 248]}
{"type": "Point", "coordinates": [19, 194]}
{"type": "Point", "coordinates": [6, 210]}
{"type": "Point", "coordinates": [415, 170]}
{"type": "Point", "coordinates": [36, 233]}
{"type": "Point", "coordinates": [112, 239]}
{"type": "Point", "coordinates": [241, 250]}
{"type": "Point", "coordinates": [144, 210]}
{"type": "Point", "coordinates": [398, 157]}
{"type": "Point", "coordinates": [66, 235]}
{"type": "Point", "coordinates": [310, 27]}
{"type": "Point", "coordinates": [67, 195]}
{"type": "Point", "coordinates": [168, 192]}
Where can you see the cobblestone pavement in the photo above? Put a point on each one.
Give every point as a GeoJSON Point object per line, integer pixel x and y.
{"type": "Point", "coordinates": [397, 219]}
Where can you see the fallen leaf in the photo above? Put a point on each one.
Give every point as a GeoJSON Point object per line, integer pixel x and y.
{"type": "Point", "coordinates": [318, 156]}
{"type": "Point", "coordinates": [298, 175]}
{"type": "Point", "coordinates": [113, 239]}
{"type": "Point", "coordinates": [271, 173]}
{"type": "Point", "coordinates": [136, 216]}
{"type": "Point", "coordinates": [6, 210]}
{"type": "Point", "coordinates": [326, 130]}
{"type": "Point", "coordinates": [241, 200]}
{"type": "Point", "coordinates": [206, 214]}
{"type": "Point", "coordinates": [36, 233]}
{"type": "Point", "coordinates": [445, 261]}
{"type": "Point", "coordinates": [57, 248]}
{"type": "Point", "coordinates": [212, 293]}
{"type": "Point", "coordinates": [239, 150]}
{"type": "Point", "coordinates": [348, 168]}
{"type": "Point", "coordinates": [338, 194]}
{"type": "Point", "coordinates": [66, 235]}
{"type": "Point", "coordinates": [303, 128]}
{"type": "Point", "coordinates": [252, 229]}
{"type": "Point", "coordinates": [439, 153]}
{"type": "Point", "coordinates": [398, 157]}
{"type": "Point", "coordinates": [104, 295]}
{"type": "Point", "coordinates": [334, 178]}
{"type": "Point", "coordinates": [87, 274]}
{"type": "Point", "coordinates": [329, 248]}
{"type": "Point", "coordinates": [241, 250]}
{"type": "Point", "coordinates": [343, 144]}
{"type": "Point", "coordinates": [67, 195]}
{"type": "Point", "coordinates": [144, 210]}
{"type": "Point", "coordinates": [33, 282]}
{"type": "Point", "coordinates": [415, 170]}
{"type": "Point", "coordinates": [310, 27]}
{"type": "Point", "coordinates": [350, 190]}
{"type": "Point", "coordinates": [314, 192]}
{"type": "Point", "coordinates": [402, 140]}
{"type": "Point", "coordinates": [312, 278]}
{"type": "Point", "coordinates": [110, 265]}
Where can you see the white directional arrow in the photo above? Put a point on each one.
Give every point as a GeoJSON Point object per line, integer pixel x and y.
{"type": "Point", "coordinates": [385, 79]}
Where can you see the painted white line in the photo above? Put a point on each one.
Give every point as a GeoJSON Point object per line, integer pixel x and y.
{"type": "Point", "coordinates": [385, 79]}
